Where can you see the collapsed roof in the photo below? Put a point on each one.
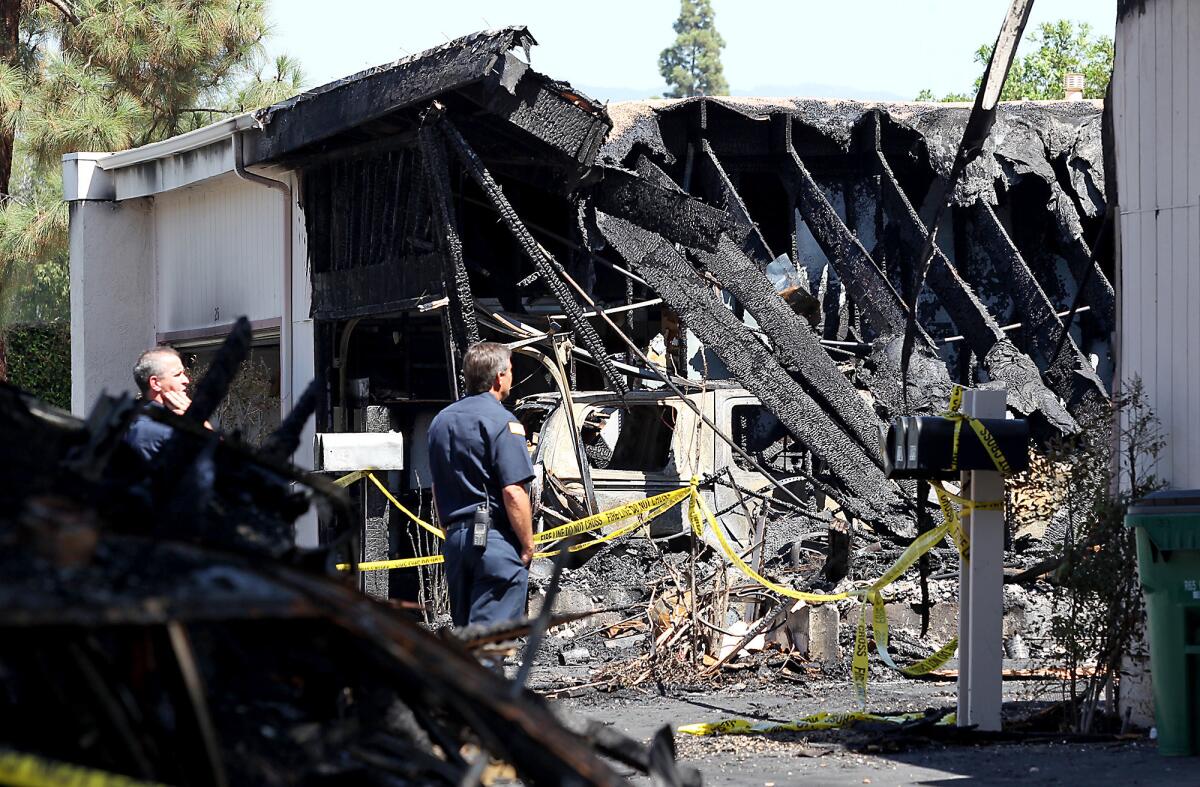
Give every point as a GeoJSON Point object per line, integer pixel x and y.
{"type": "Point", "coordinates": [463, 173]}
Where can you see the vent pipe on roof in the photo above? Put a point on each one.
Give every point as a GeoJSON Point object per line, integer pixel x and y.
{"type": "Point", "coordinates": [1073, 85]}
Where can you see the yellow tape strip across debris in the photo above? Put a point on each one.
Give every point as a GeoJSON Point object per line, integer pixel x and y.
{"type": "Point", "coordinates": [818, 721]}
{"type": "Point", "coordinates": [643, 510]}
{"type": "Point", "coordinates": [700, 517]}
{"type": "Point", "coordinates": [27, 770]}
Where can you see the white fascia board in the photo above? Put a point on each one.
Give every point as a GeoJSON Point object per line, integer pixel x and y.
{"type": "Point", "coordinates": [201, 137]}
{"type": "Point", "coordinates": [152, 169]}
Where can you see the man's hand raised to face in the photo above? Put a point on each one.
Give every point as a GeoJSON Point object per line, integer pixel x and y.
{"type": "Point", "coordinates": [176, 401]}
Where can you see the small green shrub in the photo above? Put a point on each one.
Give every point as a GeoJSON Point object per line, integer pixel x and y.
{"type": "Point", "coordinates": [39, 360]}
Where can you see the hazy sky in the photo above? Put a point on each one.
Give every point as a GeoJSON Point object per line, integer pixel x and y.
{"type": "Point", "coordinates": [886, 49]}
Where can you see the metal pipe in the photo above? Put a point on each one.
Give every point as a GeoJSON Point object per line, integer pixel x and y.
{"type": "Point", "coordinates": [285, 319]}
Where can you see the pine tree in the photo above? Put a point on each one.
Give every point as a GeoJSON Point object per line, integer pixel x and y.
{"type": "Point", "coordinates": [101, 75]}
{"type": "Point", "coordinates": [692, 65]}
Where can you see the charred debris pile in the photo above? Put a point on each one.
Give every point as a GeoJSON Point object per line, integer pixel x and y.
{"type": "Point", "coordinates": [161, 625]}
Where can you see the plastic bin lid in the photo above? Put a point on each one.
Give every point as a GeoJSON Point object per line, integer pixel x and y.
{"type": "Point", "coordinates": [1168, 501]}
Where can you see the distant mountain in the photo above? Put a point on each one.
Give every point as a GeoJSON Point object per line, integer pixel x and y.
{"type": "Point", "coordinates": [799, 89]}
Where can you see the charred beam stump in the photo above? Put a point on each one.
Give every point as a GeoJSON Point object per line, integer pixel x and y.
{"type": "Point", "coordinates": [1027, 394]}
{"type": "Point", "coordinates": [1071, 375]}
{"type": "Point", "coordinates": [868, 493]}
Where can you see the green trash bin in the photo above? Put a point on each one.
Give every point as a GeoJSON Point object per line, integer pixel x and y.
{"type": "Point", "coordinates": [1168, 545]}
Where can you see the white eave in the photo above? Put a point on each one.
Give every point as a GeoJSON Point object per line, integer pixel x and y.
{"type": "Point", "coordinates": [151, 169]}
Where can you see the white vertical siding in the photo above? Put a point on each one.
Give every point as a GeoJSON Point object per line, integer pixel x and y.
{"type": "Point", "coordinates": [219, 250]}
{"type": "Point", "coordinates": [1156, 119]}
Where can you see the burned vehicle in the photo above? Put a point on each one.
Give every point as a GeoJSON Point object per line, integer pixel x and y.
{"type": "Point", "coordinates": [651, 443]}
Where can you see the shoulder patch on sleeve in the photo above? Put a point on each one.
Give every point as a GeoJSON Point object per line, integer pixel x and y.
{"type": "Point", "coordinates": [517, 428]}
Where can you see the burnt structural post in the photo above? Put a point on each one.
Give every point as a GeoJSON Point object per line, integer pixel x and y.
{"type": "Point", "coordinates": [457, 283]}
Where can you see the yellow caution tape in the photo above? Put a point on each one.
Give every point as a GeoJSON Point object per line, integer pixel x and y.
{"type": "Point", "coordinates": [986, 439]}
{"type": "Point", "coordinates": [860, 664]}
{"type": "Point", "coordinates": [27, 770]}
{"type": "Point", "coordinates": [645, 511]}
{"type": "Point", "coordinates": [383, 565]}
{"type": "Point", "coordinates": [350, 478]}
{"type": "Point", "coordinates": [699, 514]}
{"type": "Point", "coordinates": [613, 515]}
{"type": "Point", "coordinates": [437, 531]}
{"type": "Point", "coordinates": [817, 721]}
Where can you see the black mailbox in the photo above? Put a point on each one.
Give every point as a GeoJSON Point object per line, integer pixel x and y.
{"type": "Point", "coordinates": [923, 446]}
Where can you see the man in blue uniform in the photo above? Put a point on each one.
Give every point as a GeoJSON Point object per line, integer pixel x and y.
{"type": "Point", "coordinates": [478, 458]}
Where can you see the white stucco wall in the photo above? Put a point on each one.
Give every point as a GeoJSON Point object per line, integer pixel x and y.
{"type": "Point", "coordinates": [218, 249]}
{"type": "Point", "coordinates": [112, 295]}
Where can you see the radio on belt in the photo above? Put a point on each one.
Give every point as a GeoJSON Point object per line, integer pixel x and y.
{"type": "Point", "coordinates": [481, 523]}
{"type": "Point", "coordinates": [923, 446]}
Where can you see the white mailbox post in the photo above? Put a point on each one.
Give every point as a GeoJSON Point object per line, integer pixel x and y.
{"type": "Point", "coordinates": [981, 585]}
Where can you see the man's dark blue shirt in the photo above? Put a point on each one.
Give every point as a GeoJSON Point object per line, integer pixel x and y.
{"type": "Point", "coordinates": [476, 448]}
{"type": "Point", "coordinates": [147, 436]}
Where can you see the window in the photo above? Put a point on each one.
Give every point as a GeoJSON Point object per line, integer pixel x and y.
{"type": "Point", "coordinates": [634, 438]}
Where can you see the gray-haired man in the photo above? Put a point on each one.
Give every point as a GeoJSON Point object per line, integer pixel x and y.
{"type": "Point", "coordinates": [162, 382]}
{"type": "Point", "coordinates": [480, 465]}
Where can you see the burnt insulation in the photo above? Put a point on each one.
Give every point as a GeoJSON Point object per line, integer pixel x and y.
{"type": "Point", "coordinates": [463, 325]}
{"type": "Point", "coordinates": [583, 329]}
{"type": "Point", "coordinates": [867, 493]}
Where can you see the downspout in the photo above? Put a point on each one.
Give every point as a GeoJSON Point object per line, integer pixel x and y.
{"type": "Point", "coordinates": [285, 320]}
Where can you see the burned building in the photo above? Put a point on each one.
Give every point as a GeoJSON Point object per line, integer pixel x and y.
{"type": "Point", "coordinates": [762, 245]}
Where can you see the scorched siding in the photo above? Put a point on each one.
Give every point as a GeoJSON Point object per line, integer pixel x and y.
{"type": "Point", "coordinates": [219, 248]}
{"type": "Point", "coordinates": [1156, 123]}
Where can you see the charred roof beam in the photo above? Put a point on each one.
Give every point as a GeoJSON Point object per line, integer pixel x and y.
{"type": "Point", "coordinates": [868, 494]}
{"type": "Point", "coordinates": [1071, 376]}
{"type": "Point", "coordinates": [999, 356]}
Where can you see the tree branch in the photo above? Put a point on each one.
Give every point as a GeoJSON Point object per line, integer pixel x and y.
{"type": "Point", "coordinates": [65, 9]}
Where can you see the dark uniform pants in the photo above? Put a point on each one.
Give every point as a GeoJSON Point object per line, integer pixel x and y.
{"type": "Point", "coordinates": [487, 586]}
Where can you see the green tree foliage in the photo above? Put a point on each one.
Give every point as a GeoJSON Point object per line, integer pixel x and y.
{"type": "Point", "coordinates": [1062, 47]}
{"type": "Point", "coordinates": [100, 75]}
{"type": "Point", "coordinates": [40, 359]}
{"type": "Point", "coordinates": [692, 65]}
